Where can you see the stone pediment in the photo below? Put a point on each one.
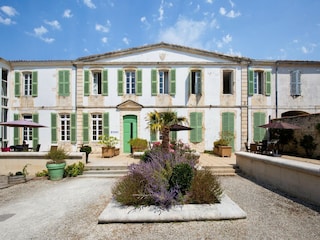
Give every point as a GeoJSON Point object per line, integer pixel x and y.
{"type": "Point", "coordinates": [129, 105]}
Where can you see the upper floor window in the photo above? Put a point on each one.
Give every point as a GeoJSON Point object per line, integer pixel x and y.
{"type": "Point", "coordinates": [97, 84]}
{"type": "Point", "coordinates": [96, 126]}
{"type": "Point", "coordinates": [259, 82]}
{"type": "Point", "coordinates": [227, 82]}
{"type": "Point", "coordinates": [163, 82]}
{"type": "Point", "coordinates": [130, 82]}
{"type": "Point", "coordinates": [258, 86]}
{"type": "Point", "coordinates": [295, 83]}
{"type": "Point", "coordinates": [4, 83]}
{"type": "Point", "coordinates": [65, 127]}
{"type": "Point", "coordinates": [195, 82]}
{"type": "Point", "coordinates": [27, 84]}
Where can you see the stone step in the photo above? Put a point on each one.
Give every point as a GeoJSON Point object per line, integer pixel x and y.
{"type": "Point", "coordinates": [105, 173]}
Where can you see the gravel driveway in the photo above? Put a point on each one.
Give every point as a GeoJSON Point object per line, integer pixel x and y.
{"type": "Point", "coordinates": [69, 209]}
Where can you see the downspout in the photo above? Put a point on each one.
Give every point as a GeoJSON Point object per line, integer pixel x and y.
{"type": "Point", "coordinates": [75, 100]}
{"type": "Point", "coordinates": [276, 82]}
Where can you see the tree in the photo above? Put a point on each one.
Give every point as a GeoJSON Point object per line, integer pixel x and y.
{"type": "Point", "coordinates": [161, 121]}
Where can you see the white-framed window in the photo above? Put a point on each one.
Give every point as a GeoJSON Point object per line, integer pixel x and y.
{"type": "Point", "coordinates": [163, 82]}
{"type": "Point", "coordinates": [96, 126]}
{"type": "Point", "coordinates": [258, 82]}
{"type": "Point", "coordinates": [130, 82]}
{"type": "Point", "coordinates": [65, 127]}
{"type": "Point", "coordinates": [97, 83]}
{"type": "Point", "coordinates": [27, 83]}
{"type": "Point", "coordinates": [227, 81]}
{"type": "Point", "coordinates": [195, 82]}
{"type": "Point", "coordinates": [295, 83]}
{"type": "Point", "coordinates": [27, 132]}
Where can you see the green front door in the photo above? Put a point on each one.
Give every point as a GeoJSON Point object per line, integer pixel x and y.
{"type": "Point", "coordinates": [129, 131]}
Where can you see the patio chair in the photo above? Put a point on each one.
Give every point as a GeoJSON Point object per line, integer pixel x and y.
{"type": "Point", "coordinates": [37, 148]}
{"type": "Point", "coordinates": [253, 148]}
{"type": "Point", "coordinates": [247, 147]}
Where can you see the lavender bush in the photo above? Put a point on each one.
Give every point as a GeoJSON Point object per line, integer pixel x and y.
{"type": "Point", "coordinates": [163, 180]}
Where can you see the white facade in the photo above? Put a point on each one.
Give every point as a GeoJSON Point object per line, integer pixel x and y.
{"type": "Point", "coordinates": [79, 99]}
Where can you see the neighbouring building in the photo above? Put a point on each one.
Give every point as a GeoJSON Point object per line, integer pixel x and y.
{"type": "Point", "coordinates": [112, 93]}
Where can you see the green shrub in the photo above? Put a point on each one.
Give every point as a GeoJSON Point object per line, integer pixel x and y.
{"type": "Point", "coordinates": [205, 188]}
{"type": "Point", "coordinates": [181, 177]}
{"type": "Point", "coordinates": [130, 190]}
{"type": "Point", "coordinates": [43, 173]}
{"type": "Point", "coordinates": [74, 170]}
{"type": "Point", "coordinates": [57, 156]}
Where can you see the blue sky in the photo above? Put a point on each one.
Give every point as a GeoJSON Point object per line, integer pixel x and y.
{"type": "Point", "coordinates": [68, 29]}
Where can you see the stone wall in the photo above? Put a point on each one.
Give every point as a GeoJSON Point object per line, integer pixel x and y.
{"type": "Point", "coordinates": [308, 125]}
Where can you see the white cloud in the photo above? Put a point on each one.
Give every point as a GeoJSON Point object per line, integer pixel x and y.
{"type": "Point", "coordinates": [209, 1]}
{"type": "Point", "coordinates": [125, 40]}
{"type": "Point", "coordinates": [40, 32]}
{"type": "Point", "coordinates": [6, 21]}
{"type": "Point", "coordinates": [222, 11]}
{"type": "Point", "coordinates": [143, 19]}
{"type": "Point", "coordinates": [67, 13]}
{"type": "Point", "coordinates": [161, 11]}
{"type": "Point", "coordinates": [231, 3]}
{"type": "Point", "coordinates": [231, 14]}
{"type": "Point", "coordinates": [89, 4]}
{"type": "Point", "coordinates": [10, 11]}
{"type": "Point", "coordinates": [103, 28]}
{"type": "Point", "coordinates": [185, 32]}
{"type": "Point", "coordinates": [226, 39]}
{"type": "Point", "coordinates": [104, 39]}
{"type": "Point", "coordinates": [54, 24]}
{"type": "Point", "coordinates": [308, 49]}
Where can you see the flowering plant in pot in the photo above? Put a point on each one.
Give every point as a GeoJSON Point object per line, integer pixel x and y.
{"type": "Point", "coordinates": [109, 143]}
{"type": "Point", "coordinates": [56, 163]}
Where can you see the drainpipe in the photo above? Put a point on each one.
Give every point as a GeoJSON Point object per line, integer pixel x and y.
{"type": "Point", "coordinates": [277, 63]}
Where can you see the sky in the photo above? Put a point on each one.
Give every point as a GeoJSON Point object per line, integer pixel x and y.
{"type": "Point", "coordinates": [69, 29]}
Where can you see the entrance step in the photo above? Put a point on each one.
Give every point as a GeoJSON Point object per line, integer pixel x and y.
{"type": "Point", "coordinates": [225, 170]}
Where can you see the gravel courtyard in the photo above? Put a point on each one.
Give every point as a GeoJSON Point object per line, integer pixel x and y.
{"type": "Point", "coordinates": [69, 209]}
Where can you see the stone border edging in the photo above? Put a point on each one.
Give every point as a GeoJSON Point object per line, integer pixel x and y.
{"type": "Point", "coordinates": [227, 209]}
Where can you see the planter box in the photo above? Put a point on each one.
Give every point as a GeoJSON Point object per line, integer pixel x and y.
{"type": "Point", "coordinates": [107, 152]}
{"type": "Point", "coordinates": [223, 151]}
{"type": "Point", "coordinates": [116, 151]}
{"type": "Point", "coordinates": [16, 179]}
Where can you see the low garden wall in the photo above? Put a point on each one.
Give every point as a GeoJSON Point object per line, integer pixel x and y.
{"type": "Point", "coordinates": [298, 179]}
{"type": "Point", "coordinates": [15, 161]}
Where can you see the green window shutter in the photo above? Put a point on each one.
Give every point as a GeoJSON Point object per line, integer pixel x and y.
{"type": "Point", "coordinates": [139, 83]}
{"type": "Point", "coordinates": [258, 132]}
{"type": "Point", "coordinates": [17, 84]}
{"type": "Point", "coordinates": [105, 120]}
{"type": "Point", "coordinates": [250, 82]}
{"type": "Point", "coordinates": [173, 82]}
{"type": "Point", "coordinates": [105, 89]}
{"type": "Point", "coordinates": [154, 82]}
{"type": "Point", "coordinates": [85, 128]}
{"type": "Point", "coordinates": [268, 83]}
{"type": "Point", "coordinates": [86, 87]}
{"type": "Point", "coordinates": [34, 85]}
{"type": "Point", "coordinates": [73, 128]}
{"type": "Point", "coordinates": [35, 131]}
{"type": "Point", "coordinates": [16, 140]}
{"type": "Point", "coordinates": [54, 128]}
{"type": "Point", "coordinates": [173, 135]}
{"type": "Point", "coordinates": [153, 136]}
{"type": "Point", "coordinates": [196, 124]}
{"type": "Point", "coordinates": [120, 82]}
{"type": "Point", "coordinates": [228, 126]}
{"type": "Point", "coordinates": [64, 83]}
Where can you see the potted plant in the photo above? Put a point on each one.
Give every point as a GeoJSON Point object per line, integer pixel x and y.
{"type": "Point", "coordinates": [109, 143]}
{"type": "Point", "coordinates": [138, 144]}
{"type": "Point", "coordinates": [56, 164]}
{"type": "Point", "coordinates": [221, 147]}
{"type": "Point", "coordinates": [87, 149]}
